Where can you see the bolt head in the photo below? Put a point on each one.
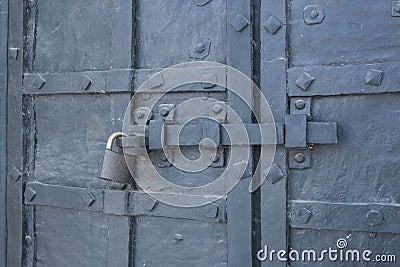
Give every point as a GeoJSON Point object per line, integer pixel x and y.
{"type": "Point", "coordinates": [217, 108]}
{"type": "Point", "coordinates": [397, 8]}
{"type": "Point", "coordinates": [163, 157]}
{"type": "Point", "coordinates": [314, 13]}
{"type": "Point", "coordinates": [300, 158]}
{"type": "Point", "coordinates": [300, 104]}
{"type": "Point", "coordinates": [304, 80]}
{"type": "Point", "coordinates": [200, 48]}
{"type": "Point", "coordinates": [140, 114]}
{"type": "Point", "coordinates": [214, 157]}
{"type": "Point", "coordinates": [164, 111]}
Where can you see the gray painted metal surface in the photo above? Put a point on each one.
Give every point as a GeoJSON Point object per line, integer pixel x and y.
{"type": "Point", "coordinates": [329, 71]}
{"type": "Point", "coordinates": [3, 129]}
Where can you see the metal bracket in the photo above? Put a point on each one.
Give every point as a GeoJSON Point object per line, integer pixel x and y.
{"type": "Point", "coordinates": [295, 133]}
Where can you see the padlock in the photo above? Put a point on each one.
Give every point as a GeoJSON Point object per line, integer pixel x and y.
{"type": "Point", "coordinates": [114, 167]}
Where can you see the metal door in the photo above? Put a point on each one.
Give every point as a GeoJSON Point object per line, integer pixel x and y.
{"type": "Point", "coordinates": [329, 70]}
{"type": "Point", "coordinates": [73, 67]}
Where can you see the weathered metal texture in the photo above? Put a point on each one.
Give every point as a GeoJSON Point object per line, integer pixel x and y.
{"type": "Point", "coordinates": [75, 89]}
{"type": "Point", "coordinates": [13, 55]}
{"type": "Point", "coordinates": [14, 138]}
{"type": "Point", "coordinates": [273, 63]}
{"type": "Point", "coordinates": [346, 36]}
{"type": "Point", "coordinates": [345, 70]}
{"type": "Point", "coordinates": [329, 72]}
{"type": "Point", "coordinates": [78, 82]}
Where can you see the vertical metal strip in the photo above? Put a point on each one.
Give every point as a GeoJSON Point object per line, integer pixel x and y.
{"type": "Point", "coordinates": [122, 49]}
{"type": "Point", "coordinates": [121, 40]}
{"type": "Point", "coordinates": [239, 56]}
{"type": "Point", "coordinates": [14, 136]}
{"type": "Point", "coordinates": [3, 130]}
{"type": "Point", "coordinates": [273, 86]}
{"type": "Point", "coordinates": [118, 240]}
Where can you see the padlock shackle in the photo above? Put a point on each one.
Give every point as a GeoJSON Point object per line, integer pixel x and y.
{"type": "Point", "coordinates": [112, 138]}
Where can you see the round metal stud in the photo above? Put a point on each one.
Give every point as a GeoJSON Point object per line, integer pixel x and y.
{"type": "Point", "coordinates": [300, 104]}
{"type": "Point", "coordinates": [300, 158]}
{"type": "Point", "coordinates": [164, 111]}
{"type": "Point", "coordinates": [314, 13]}
{"type": "Point", "coordinates": [217, 108]}
{"type": "Point", "coordinates": [140, 114]}
{"type": "Point", "coordinates": [200, 48]}
{"type": "Point", "coordinates": [397, 8]}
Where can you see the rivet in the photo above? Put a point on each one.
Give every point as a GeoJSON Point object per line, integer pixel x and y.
{"type": "Point", "coordinates": [302, 215]}
{"type": "Point", "coordinates": [217, 108]}
{"type": "Point", "coordinates": [38, 82]}
{"type": "Point", "coordinates": [239, 22]}
{"type": "Point", "coordinates": [212, 211]}
{"type": "Point", "coordinates": [214, 157]}
{"type": "Point", "coordinates": [201, 2]}
{"type": "Point", "coordinates": [178, 237]}
{"type": "Point", "coordinates": [374, 77]}
{"type": "Point", "coordinates": [372, 235]}
{"type": "Point", "coordinates": [85, 82]}
{"type": "Point", "coordinates": [89, 199]}
{"type": "Point", "coordinates": [275, 174]}
{"type": "Point", "coordinates": [156, 80]}
{"type": "Point", "coordinates": [163, 157]}
{"type": "Point", "coordinates": [28, 240]}
{"type": "Point", "coordinates": [304, 80]}
{"type": "Point", "coordinates": [15, 174]}
{"type": "Point", "coordinates": [300, 158]}
{"type": "Point", "coordinates": [314, 13]}
{"type": "Point", "coordinates": [29, 194]}
{"type": "Point", "coordinates": [397, 8]}
{"type": "Point", "coordinates": [300, 104]}
{"type": "Point", "coordinates": [375, 218]}
{"type": "Point", "coordinates": [272, 25]}
{"type": "Point", "coordinates": [140, 114]}
{"type": "Point", "coordinates": [149, 203]}
{"type": "Point", "coordinates": [164, 111]}
{"type": "Point", "coordinates": [200, 48]}
{"type": "Point", "coordinates": [13, 53]}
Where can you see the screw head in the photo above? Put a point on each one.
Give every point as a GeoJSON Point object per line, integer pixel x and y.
{"type": "Point", "coordinates": [200, 48]}
{"type": "Point", "coordinates": [163, 157]}
{"type": "Point", "coordinates": [140, 114]}
{"type": "Point", "coordinates": [217, 108]}
{"type": "Point", "coordinates": [164, 111]}
{"type": "Point", "coordinates": [397, 8]}
{"type": "Point", "coordinates": [300, 158]}
{"type": "Point", "coordinates": [314, 13]}
{"type": "Point", "coordinates": [214, 157]}
{"type": "Point", "coordinates": [300, 104]}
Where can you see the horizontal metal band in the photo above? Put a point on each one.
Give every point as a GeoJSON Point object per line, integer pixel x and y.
{"type": "Point", "coordinates": [118, 202]}
{"type": "Point", "coordinates": [118, 80]}
{"type": "Point", "coordinates": [344, 80]}
{"type": "Point", "coordinates": [192, 134]}
{"type": "Point", "coordinates": [159, 83]}
{"type": "Point", "coordinates": [322, 133]}
{"type": "Point", "coordinates": [365, 217]}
